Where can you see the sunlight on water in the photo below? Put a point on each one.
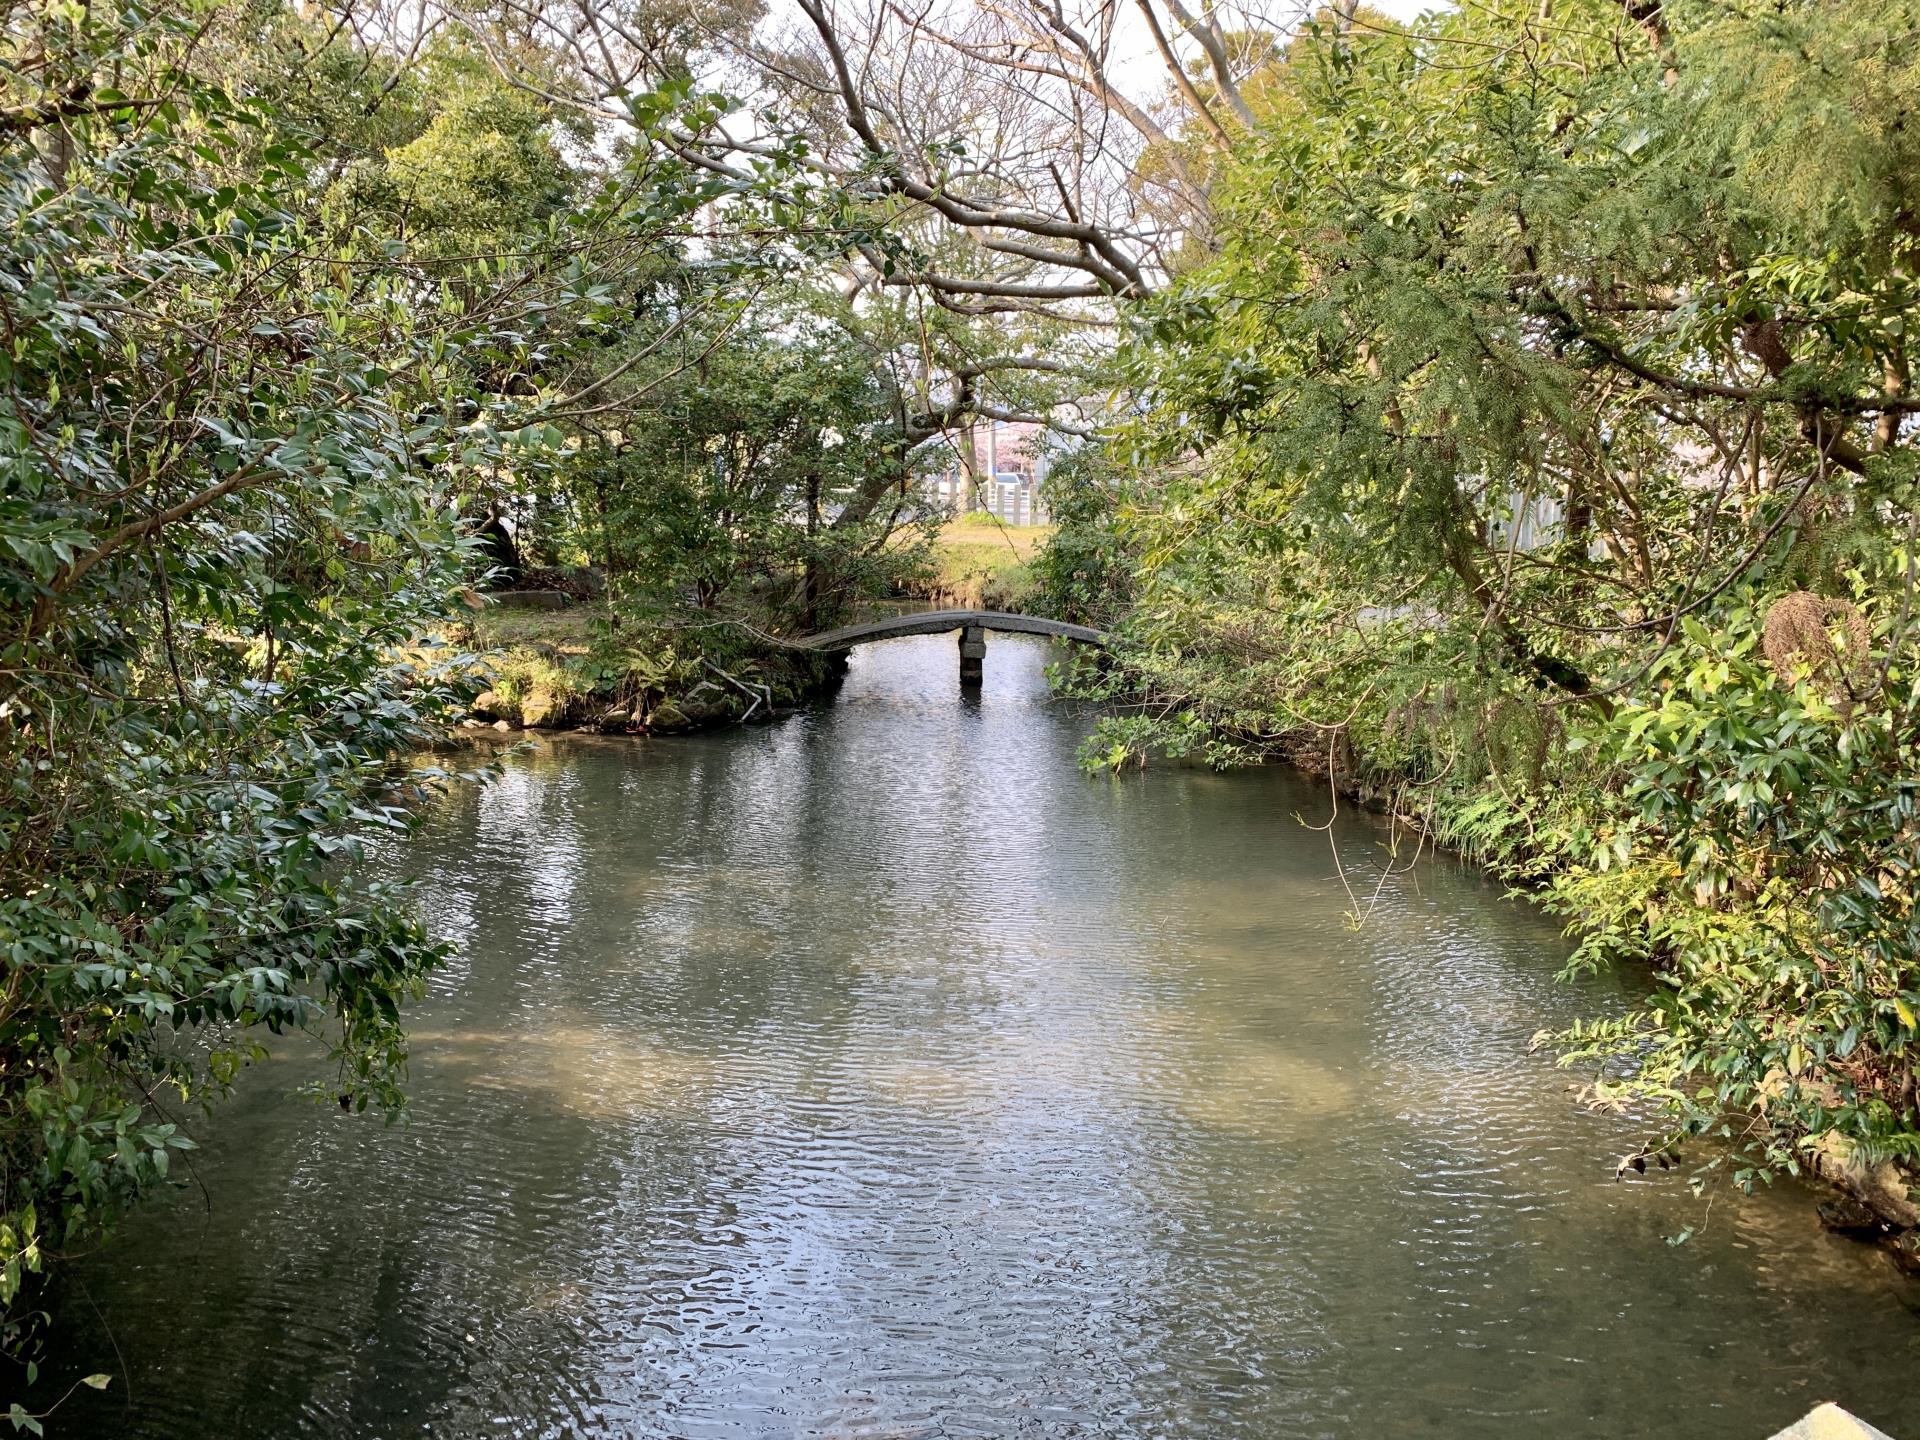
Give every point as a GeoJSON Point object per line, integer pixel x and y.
{"type": "Point", "coordinates": [877, 1074]}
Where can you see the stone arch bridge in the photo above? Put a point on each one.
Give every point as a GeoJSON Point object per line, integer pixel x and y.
{"type": "Point", "coordinates": [972, 625]}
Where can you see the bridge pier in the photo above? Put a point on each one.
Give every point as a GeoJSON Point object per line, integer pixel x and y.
{"type": "Point", "coordinates": [973, 656]}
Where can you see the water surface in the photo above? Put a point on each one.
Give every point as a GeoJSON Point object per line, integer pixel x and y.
{"type": "Point", "coordinates": [877, 1074]}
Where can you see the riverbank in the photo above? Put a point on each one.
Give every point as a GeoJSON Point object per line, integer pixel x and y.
{"type": "Point", "coordinates": [982, 563]}
{"type": "Point", "coordinates": [562, 661]}
{"type": "Point", "coordinates": [576, 669]}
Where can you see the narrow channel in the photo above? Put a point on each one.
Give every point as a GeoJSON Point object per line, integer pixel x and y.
{"type": "Point", "coordinates": [879, 1074]}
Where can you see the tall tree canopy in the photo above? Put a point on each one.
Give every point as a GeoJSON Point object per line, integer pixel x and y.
{"type": "Point", "coordinates": [1509, 410]}
{"type": "Point", "coordinates": [1538, 446]}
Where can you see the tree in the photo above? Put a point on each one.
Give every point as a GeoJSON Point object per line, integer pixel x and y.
{"type": "Point", "coordinates": [1544, 355]}
{"type": "Point", "coordinates": [240, 414]}
{"type": "Point", "coordinates": [746, 474]}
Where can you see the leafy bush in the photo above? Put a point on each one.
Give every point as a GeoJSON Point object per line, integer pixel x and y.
{"type": "Point", "coordinates": [229, 453]}
{"type": "Point", "coordinates": [1763, 857]}
{"type": "Point", "coordinates": [1552, 374]}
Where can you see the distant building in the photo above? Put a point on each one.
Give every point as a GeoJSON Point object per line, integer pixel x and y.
{"type": "Point", "coordinates": [1008, 464]}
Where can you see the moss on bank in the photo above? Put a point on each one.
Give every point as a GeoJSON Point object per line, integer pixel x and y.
{"type": "Point", "coordinates": [574, 670]}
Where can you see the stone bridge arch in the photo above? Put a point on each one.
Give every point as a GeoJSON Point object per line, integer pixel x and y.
{"type": "Point", "coordinates": [972, 625]}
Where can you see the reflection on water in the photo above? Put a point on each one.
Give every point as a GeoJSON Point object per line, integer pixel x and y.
{"type": "Point", "coordinates": [876, 1074]}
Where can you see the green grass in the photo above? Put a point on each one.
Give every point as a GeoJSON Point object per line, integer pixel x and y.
{"type": "Point", "coordinates": [975, 526]}
{"type": "Point", "coordinates": [981, 563]}
{"type": "Point", "coordinates": [569, 631]}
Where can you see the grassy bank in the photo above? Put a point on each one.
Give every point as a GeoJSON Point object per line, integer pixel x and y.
{"type": "Point", "coordinates": [584, 668]}
{"type": "Point", "coordinates": [980, 563]}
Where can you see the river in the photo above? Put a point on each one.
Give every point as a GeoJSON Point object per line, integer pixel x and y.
{"type": "Point", "coordinates": [877, 1074]}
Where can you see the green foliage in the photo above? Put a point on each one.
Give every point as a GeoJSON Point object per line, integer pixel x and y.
{"type": "Point", "coordinates": [1764, 853]}
{"type": "Point", "coordinates": [764, 475]}
{"type": "Point", "coordinates": [483, 173]}
{"type": "Point", "coordinates": [979, 562]}
{"type": "Point", "coordinates": [979, 520]}
{"type": "Point", "coordinates": [1542, 356]}
{"type": "Point", "coordinates": [1085, 572]}
{"type": "Point", "coordinates": [234, 442]}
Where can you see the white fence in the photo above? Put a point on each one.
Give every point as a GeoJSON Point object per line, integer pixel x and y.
{"type": "Point", "coordinates": [1010, 498]}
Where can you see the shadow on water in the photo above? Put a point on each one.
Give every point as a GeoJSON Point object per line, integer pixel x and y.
{"type": "Point", "coordinates": [878, 1074]}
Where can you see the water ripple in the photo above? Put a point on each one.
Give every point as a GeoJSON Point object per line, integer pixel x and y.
{"type": "Point", "coordinates": [878, 1075]}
